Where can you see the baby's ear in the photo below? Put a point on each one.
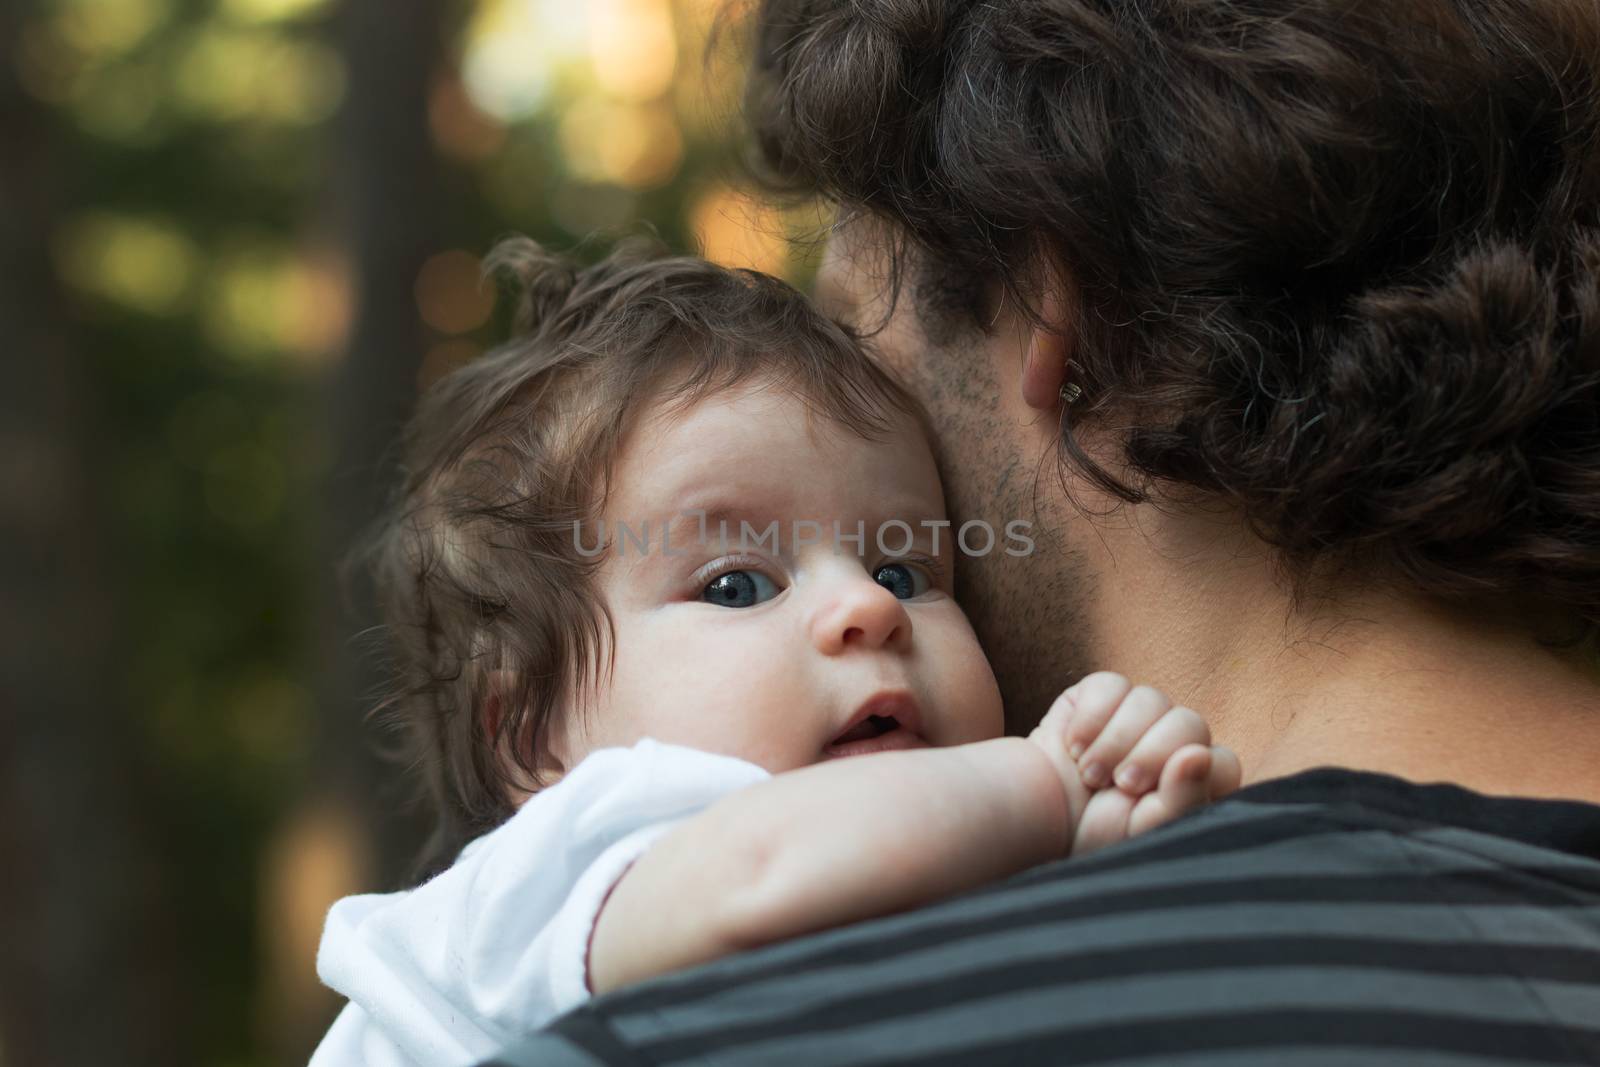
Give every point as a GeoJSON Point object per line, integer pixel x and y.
{"type": "Point", "coordinates": [501, 693]}
{"type": "Point", "coordinates": [493, 703]}
{"type": "Point", "coordinates": [502, 689]}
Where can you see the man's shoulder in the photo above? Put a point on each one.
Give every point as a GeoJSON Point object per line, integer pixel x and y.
{"type": "Point", "coordinates": [1328, 911]}
{"type": "Point", "coordinates": [1329, 837]}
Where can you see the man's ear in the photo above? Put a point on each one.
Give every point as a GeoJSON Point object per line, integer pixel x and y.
{"type": "Point", "coordinates": [1044, 371]}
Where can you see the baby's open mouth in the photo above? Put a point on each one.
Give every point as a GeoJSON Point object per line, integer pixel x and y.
{"type": "Point", "coordinates": [886, 722]}
{"type": "Point", "coordinates": [872, 726]}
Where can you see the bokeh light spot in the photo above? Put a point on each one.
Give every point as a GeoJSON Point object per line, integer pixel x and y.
{"type": "Point", "coordinates": [143, 263]}
{"type": "Point", "coordinates": [317, 320]}
{"type": "Point", "coordinates": [737, 230]}
{"type": "Point", "coordinates": [459, 127]}
{"type": "Point", "coordinates": [319, 854]}
{"type": "Point", "coordinates": [632, 47]}
{"type": "Point", "coordinates": [507, 58]}
{"type": "Point", "coordinates": [265, 11]}
{"type": "Point", "coordinates": [225, 74]}
{"type": "Point", "coordinates": [103, 28]}
{"type": "Point", "coordinates": [637, 146]}
{"type": "Point", "coordinates": [263, 300]}
{"type": "Point", "coordinates": [250, 293]}
{"type": "Point", "coordinates": [119, 103]}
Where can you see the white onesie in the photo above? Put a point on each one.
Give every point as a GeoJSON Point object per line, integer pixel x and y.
{"type": "Point", "coordinates": [453, 971]}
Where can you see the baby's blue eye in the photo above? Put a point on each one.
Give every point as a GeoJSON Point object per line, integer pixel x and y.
{"type": "Point", "coordinates": [739, 589]}
{"type": "Point", "coordinates": [902, 580]}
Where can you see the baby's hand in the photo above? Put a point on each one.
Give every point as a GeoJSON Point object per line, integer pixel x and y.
{"type": "Point", "coordinates": [1135, 760]}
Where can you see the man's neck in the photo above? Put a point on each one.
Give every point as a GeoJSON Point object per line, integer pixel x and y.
{"type": "Point", "coordinates": [1423, 696]}
{"type": "Point", "coordinates": [1374, 682]}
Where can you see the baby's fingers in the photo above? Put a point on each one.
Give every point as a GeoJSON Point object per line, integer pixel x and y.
{"type": "Point", "coordinates": [1140, 710]}
{"type": "Point", "coordinates": [1185, 786]}
{"type": "Point", "coordinates": [1105, 821]}
{"type": "Point", "coordinates": [1142, 768]}
{"type": "Point", "coordinates": [1225, 772]}
{"type": "Point", "coordinates": [1050, 735]}
{"type": "Point", "coordinates": [1056, 721]}
{"type": "Point", "coordinates": [1094, 699]}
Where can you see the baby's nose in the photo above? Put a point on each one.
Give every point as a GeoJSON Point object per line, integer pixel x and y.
{"type": "Point", "coordinates": [863, 614]}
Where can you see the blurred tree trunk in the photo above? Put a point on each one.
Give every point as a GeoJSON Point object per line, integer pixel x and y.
{"type": "Point", "coordinates": [385, 214]}
{"type": "Point", "coordinates": [88, 973]}
{"type": "Point", "coordinates": [388, 203]}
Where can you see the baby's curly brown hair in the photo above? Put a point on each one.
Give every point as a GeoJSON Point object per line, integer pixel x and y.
{"type": "Point", "coordinates": [1336, 262]}
{"type": "Point", "coordinates": [476, 563]}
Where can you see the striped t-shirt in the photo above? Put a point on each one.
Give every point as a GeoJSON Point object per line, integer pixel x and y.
{"type": "Point", "coordinates": [1328, 918]}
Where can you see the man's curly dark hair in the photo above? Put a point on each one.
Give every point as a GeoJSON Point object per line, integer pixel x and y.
{"type": "Point", "coordinates": [1339, 258]}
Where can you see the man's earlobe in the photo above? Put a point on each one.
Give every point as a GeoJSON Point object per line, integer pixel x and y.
{"type": "Point", "coordinates": [1044, 371]}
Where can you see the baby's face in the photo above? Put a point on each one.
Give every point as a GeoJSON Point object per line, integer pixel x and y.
{"type": "Point", "coordinates": [777, 651]}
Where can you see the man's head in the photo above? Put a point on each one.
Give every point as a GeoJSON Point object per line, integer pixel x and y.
{"type": "Point", "coordinates": [1331, 268]}
{"type": "Point", "coordinates": [636, 390]}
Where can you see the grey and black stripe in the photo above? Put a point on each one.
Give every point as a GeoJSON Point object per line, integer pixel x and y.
{"type": "Point", "coordinates": [1329, 918]}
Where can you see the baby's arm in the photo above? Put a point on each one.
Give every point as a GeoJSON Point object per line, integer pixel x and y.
{"type": "Point", "coordinates": [830, 844]}
{"type": "Point", "coordinates": [847, 840]}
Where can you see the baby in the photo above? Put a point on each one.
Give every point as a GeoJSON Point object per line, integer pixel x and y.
{"type": "Point", "coordinates": [658, 568]}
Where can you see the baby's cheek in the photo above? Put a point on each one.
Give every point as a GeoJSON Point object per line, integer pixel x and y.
{"type": "Point", "coordinates": [718, 688]}
{"type": "Point", "coordinates": [972, 694]}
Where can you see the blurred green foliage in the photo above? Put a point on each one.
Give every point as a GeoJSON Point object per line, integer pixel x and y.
{"type": "Point", "coordinates": [198, 225]}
